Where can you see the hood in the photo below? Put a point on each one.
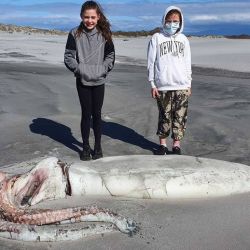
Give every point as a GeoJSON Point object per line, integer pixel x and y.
{"type": "Point", "coordinates": [173, 8]}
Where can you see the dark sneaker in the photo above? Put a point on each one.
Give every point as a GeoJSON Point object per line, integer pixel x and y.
{"type": "Point", "coordinates": [162, 150]}
{"type": "Point", "coordinates": [176, 150]}
{"type": "Point", "coordinates": [97, 154]}
{"type": "Point", "coordinates": [85, 154]}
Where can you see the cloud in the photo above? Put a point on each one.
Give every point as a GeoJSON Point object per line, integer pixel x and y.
{"type": "Point", "coordinates": [149, 18]}
{"type": "Point", "coordinates": [222, 18]}
{"type": "Point", "coordinates": [125, 15]}
{"type": "Point", "coordinates": [49, 16]}
{"type": "Point", "coordinates": [199, 18]}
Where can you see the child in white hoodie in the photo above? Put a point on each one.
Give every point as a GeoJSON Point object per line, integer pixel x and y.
{"type": "Point", "coordinates": [169, 73]}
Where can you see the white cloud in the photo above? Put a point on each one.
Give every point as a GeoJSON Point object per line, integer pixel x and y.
{"type": "Point", "coordinates": [198, 14]}
{"type": "Point", "coordinates": [221, 18]}
{"type": "Point", "coordinates": [198, 18]}
{"type": "Point", "coordinates": [149, 18]}
{"type": "Point", "coordinates": [241, 17]}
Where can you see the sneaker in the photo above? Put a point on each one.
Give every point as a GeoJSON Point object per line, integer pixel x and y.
{"type": "Point", "coordinates": [176, 150]}
{"type": "Point", "coordinates": [97, 154]}
{"type": "Point", "coordinates": [85, 154]}
{"type": "Point", "coordinates": [162, 150]}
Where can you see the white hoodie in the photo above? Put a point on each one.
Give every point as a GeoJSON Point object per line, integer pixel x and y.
{"type": "Point", "coordinates": [169, 59]}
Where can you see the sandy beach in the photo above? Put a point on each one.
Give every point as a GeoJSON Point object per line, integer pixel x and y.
{"type": "Point", "coordinates": [40, 116]}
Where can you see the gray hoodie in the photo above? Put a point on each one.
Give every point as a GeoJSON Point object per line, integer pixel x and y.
{"type": "Point", "coordinates": [90, 57]}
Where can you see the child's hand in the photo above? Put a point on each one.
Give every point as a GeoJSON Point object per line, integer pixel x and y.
{"type": "Point", "coordinates": [189, 92]}
{"type": "Point", "coordinates": [154, 92]}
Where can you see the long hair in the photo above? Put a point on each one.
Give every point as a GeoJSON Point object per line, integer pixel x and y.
{"type": "Point", "coordinates": [103, 24]}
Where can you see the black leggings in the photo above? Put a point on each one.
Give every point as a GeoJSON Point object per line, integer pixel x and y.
{"type": "Point", "coordinates": [91, 100]}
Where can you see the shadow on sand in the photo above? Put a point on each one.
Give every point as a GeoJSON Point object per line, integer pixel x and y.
{"type": "Point", "coordinates": [57, 132]}
{"type": "Point", "coordinates": [128, 135]}
{"type": "Point", "coordinates": [61, 133]}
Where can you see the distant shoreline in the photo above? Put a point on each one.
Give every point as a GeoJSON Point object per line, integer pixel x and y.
{"type": "Point", "coordinates": [31, 30]}
{"type": "Point", "coordinates": [208, 52]}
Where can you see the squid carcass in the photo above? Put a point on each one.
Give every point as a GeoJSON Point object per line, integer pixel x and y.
{"type": "Point", "coordinates": [49, 180]}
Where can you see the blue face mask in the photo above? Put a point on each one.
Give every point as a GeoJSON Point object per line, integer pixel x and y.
{"type": "Point", "coordinates": [171, 27]}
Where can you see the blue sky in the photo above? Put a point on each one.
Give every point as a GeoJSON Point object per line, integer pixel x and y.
{"type": "Point", "coordinates": [201, 16]}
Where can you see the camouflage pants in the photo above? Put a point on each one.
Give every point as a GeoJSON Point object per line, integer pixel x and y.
{"type": "Point", "coordinates": [172, 107]}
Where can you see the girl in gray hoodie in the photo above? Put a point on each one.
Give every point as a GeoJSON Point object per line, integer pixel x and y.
{"type": "Point", "coordinates": [90, 55]}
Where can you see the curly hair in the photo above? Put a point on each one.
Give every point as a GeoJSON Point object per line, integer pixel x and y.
{"type": "Point", "coordinates": [103, 24]}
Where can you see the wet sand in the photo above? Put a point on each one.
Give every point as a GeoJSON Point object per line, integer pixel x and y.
{"type": "Point", "coordinates": [40, 116]}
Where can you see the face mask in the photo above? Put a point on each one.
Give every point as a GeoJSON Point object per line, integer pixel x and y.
{"type": "Point", "coordinates": [171, 27]}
